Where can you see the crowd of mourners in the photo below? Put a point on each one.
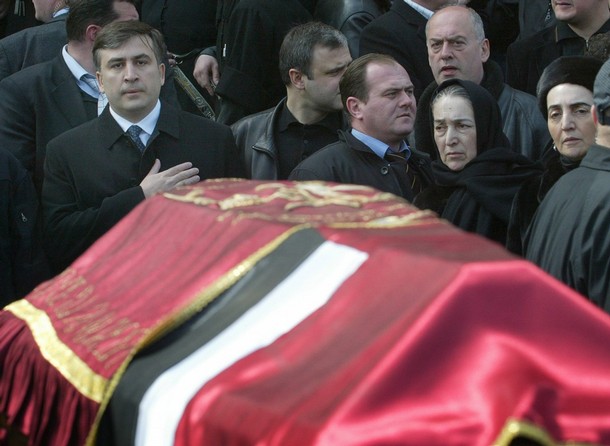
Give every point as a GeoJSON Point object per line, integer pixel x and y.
{"type": "Point", "coordinates": [493, 114]}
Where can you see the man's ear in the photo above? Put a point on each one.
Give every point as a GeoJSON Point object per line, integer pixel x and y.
{"type": "Point", "coordinates": [485, 50]}
{"type": "Point", "coordinates": [100, 81]}
{"type": "Point", "coordinates": [296, 78]}
{"type": "Point", "coordinates": [354, 107]}
{"type": "Point", "coordinates": [91, 32]}
{"type": "Point", "coordinates": [594, 115]}
{"type": "Point", "coordinates": [162, 72]}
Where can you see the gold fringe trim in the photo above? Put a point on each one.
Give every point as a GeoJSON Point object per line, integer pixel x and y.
{"type": "Point", "coordinates": [58, 354]}
{"type": "Point", "coordinates": [515, 429]}
{"type": "Point", "coordinates": [200, 301]}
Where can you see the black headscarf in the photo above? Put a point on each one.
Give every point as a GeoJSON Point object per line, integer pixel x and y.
{"type": "Point", "coordinates": [478, 198]}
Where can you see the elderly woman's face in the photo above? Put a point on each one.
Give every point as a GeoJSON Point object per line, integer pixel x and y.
{"type": "Point", "coordinates": [569, 119]}
{"type": "Point", "coordinates": [455, 131]}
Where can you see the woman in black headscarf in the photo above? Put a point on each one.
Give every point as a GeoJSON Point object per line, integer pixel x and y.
{"type": "Point", "coordinates": [565, 97]}
{"type": "Point", "coordinates": [477, 174]}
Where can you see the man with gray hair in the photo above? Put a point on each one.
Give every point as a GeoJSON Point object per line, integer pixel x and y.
{"type": "Point", "coordinates": [568, 237]}
{"type": "Point", "coordinates": [312, 59]}
{"type": "Point", "coordinates": [457, 48]}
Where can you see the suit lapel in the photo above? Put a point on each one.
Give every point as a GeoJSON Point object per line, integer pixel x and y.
{"type": "Point", "coordinates": [168, 122]}
{"type": "Point", "coordinates": [66, 94]}
{"type": "Point", "coordinates": [412, 17]}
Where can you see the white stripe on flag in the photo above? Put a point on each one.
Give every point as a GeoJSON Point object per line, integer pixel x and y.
{"type": "Point", "coordinates": [304, 291]}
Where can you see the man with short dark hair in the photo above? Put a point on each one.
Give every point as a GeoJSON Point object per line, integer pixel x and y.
{"type": "Point", "coordinates": [313, 57]}
{"type": "Point", "coordinates": [44, 100]}
{"type": "Point", "coordinates": [139, 146]}
{"type": "Point", "coordinates": [568, 237]}
{"type": "Point", "coordinates": [378, 96]}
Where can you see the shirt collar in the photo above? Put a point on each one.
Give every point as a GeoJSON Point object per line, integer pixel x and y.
{"type": "Point", "coordinates": [380, 148]}
{"type": "Point", "coordinates": [285, 119]}
{"type": "Point", "coordinates": [75, 68]}
{"type": "Point", "coordinates": [332, 121]}
{"type": "Point", "coordinates": [147, 124]}
{"type": "Point", "coordinates": [62, 11]}
{"type": "Point", "coordinates": [78, 72]}
{"type": "Point", "coordinates": [564, 31]}
{"type": "Point", "coordinates": [427, 13]}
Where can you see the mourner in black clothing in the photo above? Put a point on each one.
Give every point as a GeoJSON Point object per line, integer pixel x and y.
{"type": "Point", "coordinates": [568, 237]}
{"type": "Point", "coordinates": [477, 175]}
{"type": "Point", "coordinates": [96, 173]}
{"type": "Point", "coordinates": [565, 96]}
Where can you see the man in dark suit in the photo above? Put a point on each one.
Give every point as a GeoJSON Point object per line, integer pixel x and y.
{"type": "Point", "coordinates": [38, 43]}
{"type": "Point", "coordinates": [44, 100]}
{"type": "Point", "coordinates": [400, 32]}
{"type": "Point", "coordinates": [96, 173]}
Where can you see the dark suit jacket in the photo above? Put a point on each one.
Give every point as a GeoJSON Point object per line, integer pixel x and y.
{"type": "Point", "coordinates": [249, 57]}
{"type": "Point", "coordinates": [350, 161]}
{"type": "Point", "coordinates": [526, 59]}
{"type": "Point", "coordinates": [93, 172]}
{"type": "Point", "coordinates": [22, 263]}
{"type": "Point", "coordinates": [401, 33]}
{"type": "Point", "coordinates": [38, 104]}
{"type": "Point", "coordinates": [32, 45]}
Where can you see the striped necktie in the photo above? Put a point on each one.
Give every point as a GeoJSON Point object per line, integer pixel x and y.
{"type": "Point", "coordinates": [134, 134]}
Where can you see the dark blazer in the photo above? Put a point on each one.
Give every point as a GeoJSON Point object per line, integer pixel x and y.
{"type": "Point", "coordinates": [350, 161]}
{"type": "Point", "coordinates": [526, 59]}
{"type": "Point", "coordinates": [32, 45]}
{"type": "Point", "coordinates": [249, 55]}
{"type": "Point", "coordinates": [93, 172]}
{"type": "Point", "coordinates": [401, 33]}
{"type": "Point", "coordinates": [22, 262]}
{"type": "Point", "coordinates": [38, 104]}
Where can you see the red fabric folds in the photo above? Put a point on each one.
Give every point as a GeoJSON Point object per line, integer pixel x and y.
{"type": "Point", "coordinates": [36, 399]}
{"type": "Point", "coordinates": [420, 348]}
{"type": "Point", "coordinates": [160, 265]}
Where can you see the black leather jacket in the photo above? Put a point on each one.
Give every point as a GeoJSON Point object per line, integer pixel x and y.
{"type": "Point", "coordinates": [349, 17]}
{"type": "Point", "coordinates": [255, 143]}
